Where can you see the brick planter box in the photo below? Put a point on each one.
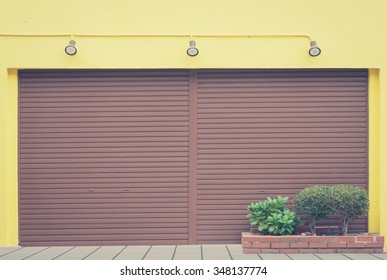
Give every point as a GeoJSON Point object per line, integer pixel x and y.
{"type": "Point", "coordinates": [297, 244]}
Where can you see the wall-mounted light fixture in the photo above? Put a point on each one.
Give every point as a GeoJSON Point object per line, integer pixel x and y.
{"type": "Point", "coordinates": [70, 49]}
{"type": "Point", "coordinates": [314, 50]}
{"type": "Point", "coordinates": [192, 50]}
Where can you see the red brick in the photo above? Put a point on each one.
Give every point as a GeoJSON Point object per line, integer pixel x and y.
{"type": "Point", "coordinates": [279, 245]}
{"type": "Point", "coordinates": [288, 251]}
{"type": "Point", "coordinates": [290, 239]}
{"type": "Point", "coordinates": [326, 251]}
{"type": "Point", "coordinates": [378, 250]}
{"type": "Point", "coordinates": [299, 245]}
{"type": "Point", "coordinates": [337, 245]}
{"type": "Point", "coordinates": [365, 251]}
{"type": "Point", "coordinates": [379, 239]}
{"type": "Point", "coordinates": [261, 245]}
{"type": "Point", "coordinates": [270, 239]}
{"type": "Point", "coordinates": [247, 236]}
{"type": "Point", "coordinates": [375, 245]}
{"type": "Point", "coordinates": [250, 239]}
{"type": "Point", "coordinates": [327, 239]}
{"type": "Point", "coordinates": [246, 244]}
{"type": "Point", "coordinates": [346, 239]}
{"type": "Point", "coordinates": [346, 250]}
{"type": "Point", "coordinates": [309, 239]}
{"type": "Point", "coordinates": [356, 245]}
{"type": "Point", "coordinates": [307, 251]}
{"type": "Point", "coordinates": [269, 251]}
{"type": "Point", "coordinates": [318, 245]}
{"type": "Point", "coordinates": [364, 239]}
{"type": "Point", "coordinates": [251, 251]}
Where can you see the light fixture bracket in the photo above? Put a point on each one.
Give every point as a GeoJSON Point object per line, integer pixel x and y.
{"type": "Point", "coordinates": [314, 50]}
{"type": "Point", "coordinates": [192, 50]}
{"type": "Point", "coordinates": [71, 49]}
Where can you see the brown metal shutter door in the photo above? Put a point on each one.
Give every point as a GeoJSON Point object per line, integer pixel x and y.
{"type": "Point", "coordinates": [103, 157]}
{"type": "Point", "coordinates": [269, 133]}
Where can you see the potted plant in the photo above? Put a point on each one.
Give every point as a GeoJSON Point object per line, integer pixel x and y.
{"type": "Point", "coordinates": [276, 223]}
{"type": "Point", "coordinates": [272, 217]}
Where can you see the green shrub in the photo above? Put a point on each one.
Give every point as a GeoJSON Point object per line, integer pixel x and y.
{"type": "Point", "coordinates": [272, 217]}
{"type": "Point", "coordinates": [315, 204]}
{"type": "Point", "coordinates": [318, 202]}
{"type": "Point", "coordinates": [349, 202]}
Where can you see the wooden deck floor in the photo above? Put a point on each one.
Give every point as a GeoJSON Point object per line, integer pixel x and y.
{"type": "Point", "coordinates": [187, 252]}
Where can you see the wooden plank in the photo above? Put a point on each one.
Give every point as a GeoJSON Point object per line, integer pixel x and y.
{"type": "Point", "coordinates": [105, 253]}
{"type": "Point", "coordinates": [23, 253]}
{"type": "Point", "coordinates": [133, 253]}
{"type": "Point", "coordinates": [267, 257]}
{"type": "Point", "coordinates": [78, 253]}
{"type": "Point", "coordinates": [215, 252]}
{"type": "Point", "coordinates": [160, 253]}
{"type": "Point", "coordinates": [188, 252]}
{"type": "Point", "coordinates": [236, 253]}
{"type": "Point", "coordinates": [51, 253]}
{"type": "Point", "coordinates": [362, 257]}
{"type": "Point", "coordinates": [7, 250]}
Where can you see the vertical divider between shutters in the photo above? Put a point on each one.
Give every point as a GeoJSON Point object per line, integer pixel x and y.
{"type": "Point", "coordinates": [193, 149]}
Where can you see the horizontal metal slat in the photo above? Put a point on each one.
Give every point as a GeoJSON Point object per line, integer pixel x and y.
{"type": "Point", "coordinates": [321, 180]}
{"type": "Point", "coordinates": [289, 99]}
{"type": "Point", "coordinates": [332, 110]}
{"type": "Point", "coordinates": [143, 238]}
{"type": "Point", "coordinates": [283, 125]}
{"type": "Point", "coordinates": [274, 119]}
{"type": "Point", "coordinates": [101, 150]}
{"type": "Point", "coordinates": [88, 170]}
{"type": "Point", "coordinates": [100, 213]}
{"type": "Point", "coordinates": [178, 206]}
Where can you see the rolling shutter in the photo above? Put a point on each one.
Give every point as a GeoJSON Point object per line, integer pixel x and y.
{"type": "Point", "coordinates": [103, 157]}
{"type": "Point", "coordinates": [269, 133]}
{"type": "Point", "coordinates": [175, 156]}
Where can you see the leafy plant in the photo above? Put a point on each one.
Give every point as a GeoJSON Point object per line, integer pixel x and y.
{"type": "Point", "coordinates": [282, 223]}
{"type": "Point", "coordinates": [349, 202]}
{"type": "Point", "coordinates": [272, 217]}
{"type": "Point", "coordinates": [315, 204]}
{"type": "Point", "coordinates": [318, 202]}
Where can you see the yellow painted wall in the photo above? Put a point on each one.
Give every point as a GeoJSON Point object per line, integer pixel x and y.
{"type": "Point", "coordinates": [33, 34]}
{"type": "Point", "coordinates": [8, 158]}
{"type": "Point", "coordinates": [374, 150]}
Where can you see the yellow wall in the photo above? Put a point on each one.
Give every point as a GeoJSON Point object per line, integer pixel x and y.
{"type": "Point", "coordinates": [33, 34]}
{"type": "Point", "coordinates": [374, 150]}
{"type": "Point", "coordinates": [8, 158]}
{"type": "Point", "coordinates": [383, 154]}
